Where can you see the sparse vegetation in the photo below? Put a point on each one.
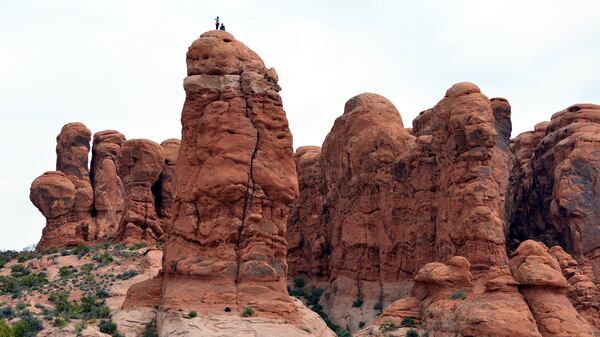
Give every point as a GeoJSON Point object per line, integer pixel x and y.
{"type": "Point", "coordinates": [378, 306]}
{"type": "Point", "coordinates": [66, 271]}
{"type": "Point", "coordinates": [387, 326]}
{"type": "Point", "coordinates": [27, 326]}
{"type": "Point", "coordinates": [126, 275]}
{"type": "Point", "coordinates": [137, 246]}
{"type": "Point", "coordinates": [103, 259]}
{"type": "Point", "coordinates": [459, 294]}
{"type": "Point", "coordinates": [150, 330]}
{"type": "Point", "coordinates": [247, 312]}
{"type": "Point", "coordinates": [5, 329]}
{"type": "Point", "coordinates": [192, 314]}
{"type": "Point", "coordinates": [412, 333]}
{"type": "Point", "coordinates": [408, 321]}
{"type": "Point", "coordinates": [108, 327]}
{"type": "Point", "coordinates": [81, 250]}
{"type": "Point", "coordinates": [357, 303]}
{"type": "Point", "coordinates": [361, 324]}
{"type": "Point", "coordinates": [299, 282]}
{"type": "Point", "coordinates": [21, 279]}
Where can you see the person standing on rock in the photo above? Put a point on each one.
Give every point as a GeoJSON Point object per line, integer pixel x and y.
{"type": "Point", "coordinates": [222, 27]}
{"type": "Point", "coordinates": [217, 22]}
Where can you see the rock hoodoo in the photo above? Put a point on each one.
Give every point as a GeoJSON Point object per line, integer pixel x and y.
{"type": "Point", "coordinates": [84, 206]}
{"type": "Point", "coordinates": [225, 252]}
{"type": "Point", "coordinates": [380, 201]}
{"type": "Point", "coordinates": [140, 165]}
{"type": "Point", "coordinates": [109, 193]}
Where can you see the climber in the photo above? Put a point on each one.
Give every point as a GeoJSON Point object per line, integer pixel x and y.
{"type": "Point", "coordinates": [217, 22]}
{"type": "Point", "coordinates": [222, 27]}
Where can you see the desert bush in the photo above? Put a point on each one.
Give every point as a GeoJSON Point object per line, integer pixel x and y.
{"type": "Point", "coordinates": [108, 327]}
{"type": "Point", "coordinates": [7, 313]}
{"type": "Point", "coordinates": [378, 306]}
{"type": "Point", "coordinates": [126, 275]}
{"type": "Point", "coordinates": [459, 294]}
{"type": "Point", "coordinates": [387, 326]}
{"type": "Point", "coordinates": [192, 314]}
{"type": "Point", "coordinates": [361, 324]}
{"type": "Point", "coordinates": [5, 329]}
{"type": "Point", "coordinates": [66, 271]}
{"type": "Point", "coordinates": [102, 293]}
{"type": "Point", "coordinates": [299, 282]}
{"type": "Point", "coordinates": [27, 326]}
{"type": "Point", "coordinates": [81, 250]}
{"type": "Point", "coordinates": [357, 303]}
{"type": "Point", "coordinates": [408, 321]}
{"type": "Point", "coordinates": [247, 312]}
{"type": "Point", "coordinates": [60, 322]}
{"type": "Point", "coordinates": [412, 333]}
{"type": "Point", "coordinates": [150, 330]}
{"type": "Point", "coordinates": [137, 246]}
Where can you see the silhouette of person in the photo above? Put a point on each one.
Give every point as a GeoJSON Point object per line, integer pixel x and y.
{"type": "Point", "coordinates": [222, 27]}
{"type": "Point", "coordinates": [217, 22]}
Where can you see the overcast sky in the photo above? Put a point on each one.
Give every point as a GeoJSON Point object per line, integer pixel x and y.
{"type": "Point", "coordinates": [120, 64]}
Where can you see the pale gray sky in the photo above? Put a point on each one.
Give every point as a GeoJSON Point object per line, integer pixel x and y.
{"type": "Point", "coordinates": [119, 65]}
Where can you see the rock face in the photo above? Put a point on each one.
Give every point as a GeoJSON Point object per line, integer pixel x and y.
{"type": "Point", "coordinates": [164, 189]}
{"type": "Point", "coordinates": [84, 206]}
{"type": "Point", "coordinates": [235, 179]}
{"type": "Point", "coordinates": [583, 293]}
{"type": "Point", "coordinates": [543, 285]}
{"type": "Point", "coordinates": [556, 170]}
{"type": "Point", "coordinates": [71, 223]}
{"type": "Point", "coordinates": [140, 165]}
{"type": "Point", "coordinates": [380, 201]}
{"type": "Point", "coordinates": [109, 193]}
{"type": "Point", "coordinates": [225, 252]}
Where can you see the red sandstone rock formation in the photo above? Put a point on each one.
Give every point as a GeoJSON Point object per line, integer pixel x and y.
{"type": "Point", "coordinates": [235, 179]}
{"type": "Point", "coordinates": [109, 193]}
{"type": "Point", "coordinates": [379, 202]}
{"type": "Point", "coordinates": [90, 209]}
{"type": "Point", "coordinates": [72, 223]}
{"type": "Point", "coordinates": [558, 195]}
{"type": "Point", "coordinates": [164, 190]}
{"type": "Point", "coordinates": [583, 293]}
{"type": "Point", "coordinates": [141, 162]}
{"type": "Point", "coordinates": [543, 285]}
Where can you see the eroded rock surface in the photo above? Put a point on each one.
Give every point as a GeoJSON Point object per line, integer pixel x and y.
{"type": "Point", "coordinates": [140, 164]}
{"type": "Point", "coordinates": [84, 206]}
{"type": "Point", "coordinates": [543, 285]}
{"type": "Point", "coordinates": [380, 201]}
{"type": "Point", "coordinates": [109, 193]}
{"type": "Point", "coordinates": [560, 200]}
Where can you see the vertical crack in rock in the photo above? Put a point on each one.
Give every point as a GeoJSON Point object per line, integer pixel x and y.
{"type": "Point", "coordinates": [249, 192]}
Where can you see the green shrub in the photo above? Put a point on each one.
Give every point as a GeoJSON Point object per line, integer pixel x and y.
{"type": "Point", "coordinates": [408, 321]}
{"type": "Point", "coordinates": [150, 330]}
{"type": "Point", "coordinates": [60, 322]}
{"type": "Point", "coordinates": [126, 275]}
{"type": "Point", "coordinates": [22, 305]}
{"type": "Point", "coordinates": [192, 314]}
{"type": "Point", "coordinates": [137, 246]}
{"type": "Point", "coordinates": [412, 333]}
{"type": "Point", "coordinates": [299, 282]}
{"type": "Point", "coordinates": [103, 259]}
{"type": "Point", "coordinates": [388, 326]}
{"type": "Point", "coordinates": [357, 303]}
{"type": "Point", "coordinates": [19, 270]}
{"type": "Point", "coordinates": [108, 327]}
{"type": "Point", "coordinates": [378, 306]}
{"type": "Point", "coordinates": [247, 312]}
{"type": "Point", "coordinates": [79, 327]}
{"type": "Point", "coordinates": [81, 250]}
{"type": "Point", "coordinates": [66, 271]}
{"type": "Point", "coordinates": [361, 324]}
{"type": "Point", "coordinates": [459, 294]}
{"type": "Point", "coordinates": [5, 329]}
{"type": "Point", "coordinates": [7, 313]}
{"type": "Point", "coordinates": [50, 251]}
{"type": "Point", "coordinates": [27, 326]}
{"type": "Point", "coordinates": [102, 293]}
